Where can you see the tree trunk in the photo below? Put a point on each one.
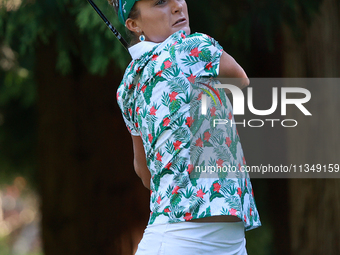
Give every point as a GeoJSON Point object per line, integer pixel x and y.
{"type": "Point", "coordinates": [315, 203]}
{"type": "Point", "coordinates": [92, 201]}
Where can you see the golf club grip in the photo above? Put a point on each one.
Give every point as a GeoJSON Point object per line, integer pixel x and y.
{"type": "Point", "coordinates": [107, 22]}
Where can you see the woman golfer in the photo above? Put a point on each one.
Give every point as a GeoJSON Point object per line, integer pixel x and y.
{"type": "Point", "coordinates": [201, 199]}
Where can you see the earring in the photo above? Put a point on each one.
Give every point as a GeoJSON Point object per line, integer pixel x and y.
{"type": "Point", "coordinates": [142, 38]}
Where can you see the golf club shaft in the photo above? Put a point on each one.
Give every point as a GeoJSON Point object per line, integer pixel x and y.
{"type": "Point", "coordinates": [107, 22]}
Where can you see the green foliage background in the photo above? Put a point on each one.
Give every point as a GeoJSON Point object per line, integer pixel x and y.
{"type": "Point", "coordinates": [78, 36]}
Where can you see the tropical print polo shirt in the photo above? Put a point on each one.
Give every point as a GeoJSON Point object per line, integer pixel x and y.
{"type": "Point", "coordinates": [160, 99]}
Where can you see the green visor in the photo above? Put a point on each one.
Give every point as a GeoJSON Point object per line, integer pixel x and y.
{"type": "Point", "coordinates": [125, 7]}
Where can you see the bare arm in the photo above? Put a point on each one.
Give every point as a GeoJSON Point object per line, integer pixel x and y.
{"type": "Point", "coordinates": [139, 161]}
{"type": "Point", "coordinates": [229, 68]}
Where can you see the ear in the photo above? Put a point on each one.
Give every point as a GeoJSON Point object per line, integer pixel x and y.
{"type": "Point", "coordinates": [132, 25]}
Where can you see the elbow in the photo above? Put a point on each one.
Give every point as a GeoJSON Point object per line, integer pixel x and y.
{"type": "Point", "coordinates": [137, 168]}
{"type": "Point", "coordinates": [143, 173]}
{"type": "Point", "coordinates": [244, 80]}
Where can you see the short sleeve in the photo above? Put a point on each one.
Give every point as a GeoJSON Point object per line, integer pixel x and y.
{"type": "Point", "coordinates": [130, 126]}
{"type": "Point", "coordinates": [126, 109]}
{"type": "Point", "coordinates": [200, 55]}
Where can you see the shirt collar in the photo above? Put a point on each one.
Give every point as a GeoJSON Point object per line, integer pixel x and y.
{"type": "Point", "coordinates": [137, 50]}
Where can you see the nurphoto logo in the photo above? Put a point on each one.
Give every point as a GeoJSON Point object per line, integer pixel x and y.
{"type": "Point", "coordinates": [239, 106]}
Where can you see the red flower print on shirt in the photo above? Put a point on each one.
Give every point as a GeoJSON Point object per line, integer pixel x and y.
{"type": "Point", "coordinates": [143, 88]}
{"type": "Point", "coordinates": [189, 121]}
{"type": "Point", "coordinates": [190, 168]}
{"type": "Point", "coordinates": [244, 161]}
{"type": "Point", "coordinates": [208, 66]}
{"type": "Point", "coordinates": [130, 111]}
{"type": "Point", "coordinates": [200, 96]}
{"type": "Point", "coordinates": [138, 70]}
{"type": "Point", "coordinates": [239, 191]}
{"type": "Point", "coordinates": [175, 190]}
{"type": "Point", "coordinates": [207, 136]}
{"type": "Point", "coordinates": [245, 218]}
{"type": "Point", "coordinates": [159, 73]}
{"type": "Point", "coordinates": [167, 64]}
{"type": "Point", "coordinates": [177, 145]}
{"type": "Point", "coordinates": [219, 162]}
{"type": "Point", "coordinates": [168, 166]}
{"type": "Point", "coordinates": [239, 167]}
{"type": "Point", "coordinates": [213, 111]}
{"type": "Point", "coordinates": [154, 57]}
{"type": "Point", "coordinates": [166, 122]}
{"type": "Point", "coordinates": [217, 187]}
{"type": "Point", "coordinates": [117, 95]}
{"type": "Point", "coordinates": [137, 110]}
{"type": "Point", "coordinates": [233, 211]}
{"type": "Point", "coordinates": [228, 141]}
{"type": "Point", "coordinates": [159, 157]}
{"type": "Point", "coordinates": [183, 35]}
{"type": "Point", "coordinates": [159, 200]}
{"type": "Point", "coordinates": [230, 116]}
{"type": "Point", "coordinates": [173, 96]}
{"type": "Point", "coordinates": [166, 210]}
{"type": "Point", "coordinates": [200, 193]}
{"type": "Point", "coordinates": [138, 85]}
{"type": "Point", "coordinates": [252, 192]}
{"type": "Point", "coordinates": [187, 216]}
{"type": "Point", "coordinates": [153, 111]}
{"type": "Point", "coordinates": [199, 142]}
{"type": "Point", "coordinates": [130, 86]}
{"type": "Point", "coordinates": [250, 211]}
{"type": "Point", "coordinates": [150, 138]}
{"type": "Point", "coordinates": [192, 78]}
{"type": "Point", "coordinates": [194, 52]}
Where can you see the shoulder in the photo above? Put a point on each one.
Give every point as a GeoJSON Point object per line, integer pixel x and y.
{"type": "Point", "coordinates": [202, 40]}
{"type": "Point", "coordinates": [201, 36]}
{"type": "Point", "coordinates": [198, 34]}
{"type": "Point", "coordinates": [127, 82]}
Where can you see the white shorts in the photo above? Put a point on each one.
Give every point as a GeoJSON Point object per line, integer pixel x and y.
{"type": "Point", "coordinates": [193, 238]}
